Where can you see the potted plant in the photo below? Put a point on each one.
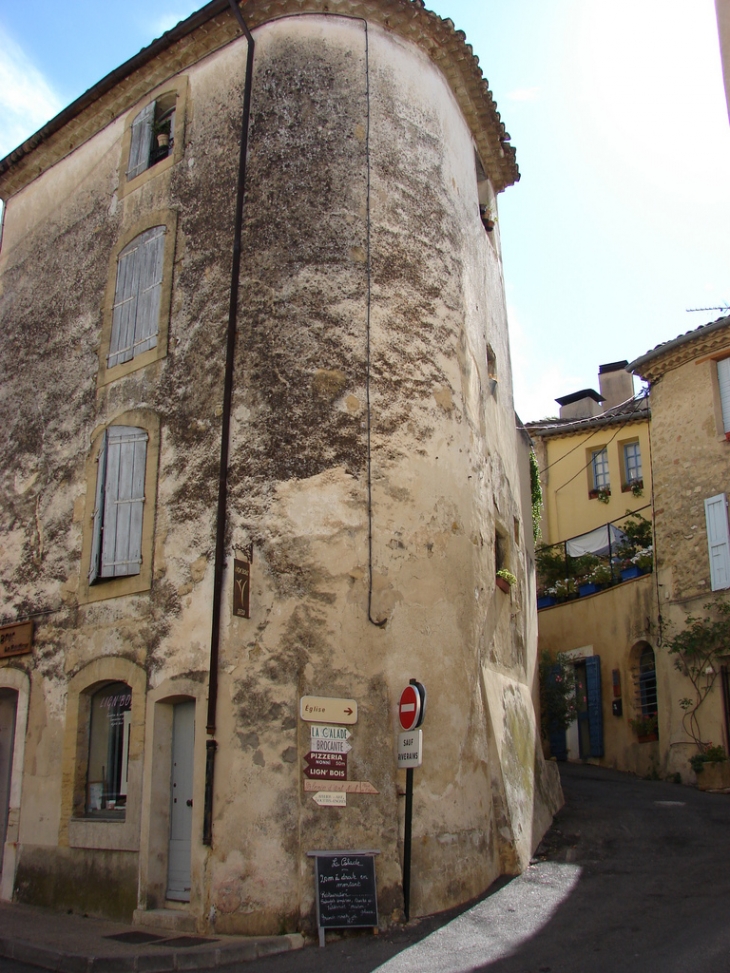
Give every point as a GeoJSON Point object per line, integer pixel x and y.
{"type": "Point", "coordinates": [488, 217]}
{"type": "Point", "coordinates": [712, 768]}
{"type": "Point", "coordinates": [646, 728]}
{"type": "Point", "coordinates": [505, 580]}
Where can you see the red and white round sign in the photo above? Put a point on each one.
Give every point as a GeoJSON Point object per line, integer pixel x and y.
{"type": "Point", "coordinates": [409, 708]}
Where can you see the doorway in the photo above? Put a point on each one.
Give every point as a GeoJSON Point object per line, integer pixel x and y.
{"type": "Point", "coordinates": [181, 802]}
{"type": "Point", "coordinates": [8, 710]}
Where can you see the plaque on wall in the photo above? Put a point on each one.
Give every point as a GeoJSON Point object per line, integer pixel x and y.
{"type": "Point", "coordinates": [16, 639]}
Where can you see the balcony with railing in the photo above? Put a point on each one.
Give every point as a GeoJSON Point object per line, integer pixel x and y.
{"type": "Point", "coordinates": [613, 553]}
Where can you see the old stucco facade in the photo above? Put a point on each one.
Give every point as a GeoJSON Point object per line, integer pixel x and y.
{"type": "Point", "coordinates": [374, 468]}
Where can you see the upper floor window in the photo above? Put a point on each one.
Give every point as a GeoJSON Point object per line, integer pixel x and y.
{"type": "Point", "coordinates": [136, 308]}
{"type": "Point", "coordinates": [723, 381]}
{"type": "Point", "coordinates": [153, 134]}
{"type": "Point", "coordinates": [632, 463]}
{"type": "Point", "coordinates": [116, 542]}
{"type": "Point", "coordinates": [599, 469]}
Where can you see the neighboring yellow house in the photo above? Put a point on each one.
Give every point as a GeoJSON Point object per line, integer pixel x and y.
{"type": "Point", "coordinates": [593, 459]}
{"type": "Point", "coordinates": [594, 463]}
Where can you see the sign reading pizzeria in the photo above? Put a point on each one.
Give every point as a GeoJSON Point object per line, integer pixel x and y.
{"type": "Point", "coordinates": [16, 639]}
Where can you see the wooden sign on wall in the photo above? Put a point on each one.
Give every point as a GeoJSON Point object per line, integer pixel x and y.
{"type": "Point", "coordinates": [242, 588]}
{"type": "Point", "coordinates": [16, 639]}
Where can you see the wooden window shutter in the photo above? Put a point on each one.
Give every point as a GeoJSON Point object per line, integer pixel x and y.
{"type": "Point", "coordinates": [98, 519]}
{"type": "Point", "coordinates": [718, 541]}
{"type": "Point", "coordinates": [595, 710]}
{"type": "Point", "coordinates": [723, 380]}
{"type": "Point", "coordinates": [139, 149]}
{"type": "Point", "coordinates": [136, 309]}
{"type": "Point", "coordinates": [121, 541]}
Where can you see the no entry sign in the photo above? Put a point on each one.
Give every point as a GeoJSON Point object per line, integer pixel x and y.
{"type": "Point", "coordinates": [411, 708]}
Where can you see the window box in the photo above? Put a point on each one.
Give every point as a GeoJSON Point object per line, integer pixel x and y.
{"type": "Point", "coordinates": [633, 572]}
{"type": "Point", "coordinates": [648, 737]}
{"type": "Point", "coordinates": [546, 601]}
{"type": "Point", "coordinates": [588, 588]}
{"type": "Point", "coordinates": [632, 486]}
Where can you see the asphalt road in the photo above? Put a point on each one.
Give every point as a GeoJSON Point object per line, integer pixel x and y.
{"type": "Point", "coordinates": [634, 877]}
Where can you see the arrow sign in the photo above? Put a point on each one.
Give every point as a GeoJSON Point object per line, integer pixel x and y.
{"type": "Point", "coordinates": [326, 766]}
{"type": "Point", "coordinates": [329, 708]}
{"type": "Point", "coordinates": [330, 746]}
{"type": "Point", "coordinates": [328, 799]}
{"type": "Point", "coordinates": [343, 786]}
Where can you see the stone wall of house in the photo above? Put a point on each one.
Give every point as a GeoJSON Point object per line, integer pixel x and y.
{"type": "Point", "coordinates": [371, 467]}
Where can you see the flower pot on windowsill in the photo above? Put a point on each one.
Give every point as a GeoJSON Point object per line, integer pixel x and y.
{"type": "Point", "coordinates": [503, 585]}
{"type": "Point", "coordinates": [163, 140]}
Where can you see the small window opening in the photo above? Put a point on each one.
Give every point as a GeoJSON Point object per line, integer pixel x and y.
{"type": "Point", "coordinates": [153, 134]}
{"type": "Point", "coordinates": [492, 369]}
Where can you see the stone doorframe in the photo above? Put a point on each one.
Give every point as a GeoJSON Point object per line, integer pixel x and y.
{"type": "Point", "coordinates": [17, 680]}
{"type": "Point", "coordinates": [154, 845]}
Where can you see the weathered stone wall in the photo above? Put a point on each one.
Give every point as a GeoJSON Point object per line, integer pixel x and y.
{"type": "Point", "coordinates": [369, 293]}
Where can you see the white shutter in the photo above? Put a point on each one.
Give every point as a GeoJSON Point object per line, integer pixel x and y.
{"type": "Point", "coordinates": [94, 565]}
{"type": "Point", "coordinates": [139, 149]}
{"type": "Point", "coordinates": [718, 541]}
{"type": "Point", "coordinates": [723, 379]}
{"type": "Point", "coordinates": [121, 550]}
{"type": "Point", "coordinates": [136, 309]}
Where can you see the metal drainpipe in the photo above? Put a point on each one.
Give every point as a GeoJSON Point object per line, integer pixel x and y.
{"type": "Point", "coordinates": [211, 745]}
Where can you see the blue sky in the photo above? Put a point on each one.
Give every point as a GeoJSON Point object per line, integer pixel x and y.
{"type": "Point", "coordinates": [616, 107]}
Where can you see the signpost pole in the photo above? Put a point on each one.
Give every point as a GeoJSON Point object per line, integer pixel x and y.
{"type": "Point", "coordinates": [407, 844]}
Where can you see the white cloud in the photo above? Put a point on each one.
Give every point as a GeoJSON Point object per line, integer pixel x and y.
{"type": "Point", "coordinates": [171, 18]}
{"type": "Point", "coordinates": [27, 100]}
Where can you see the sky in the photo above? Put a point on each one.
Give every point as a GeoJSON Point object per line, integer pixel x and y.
{"type": "Point", "coordinates": [621, 220]}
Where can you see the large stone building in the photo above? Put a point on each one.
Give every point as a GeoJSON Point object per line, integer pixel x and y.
{"type": "Point", "coordinates": [342, 427]}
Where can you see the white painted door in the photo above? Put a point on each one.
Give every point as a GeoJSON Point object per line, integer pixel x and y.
{"type": "Point", "coordinates": [8, 707]}
{"type": "Point", "coordinates": [181, 802]}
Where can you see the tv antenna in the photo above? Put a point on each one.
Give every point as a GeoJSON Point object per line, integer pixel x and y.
{"type": "Point", "coordinates": [724, 307]}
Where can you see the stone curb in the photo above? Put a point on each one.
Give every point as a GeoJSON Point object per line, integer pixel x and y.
{"type": "Point", "coordinates": [158, 962]}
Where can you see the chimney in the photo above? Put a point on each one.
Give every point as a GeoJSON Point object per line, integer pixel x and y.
{"type": "Point", "coordinates": [615, 383]}
{"type": "Point", "coordinates": [580, 405]}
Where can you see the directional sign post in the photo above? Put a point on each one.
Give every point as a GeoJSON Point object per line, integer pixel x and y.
{"type": "Point", "coordinates": [329, 799]}
{"type": "Point", "coordinates": [411, 711]}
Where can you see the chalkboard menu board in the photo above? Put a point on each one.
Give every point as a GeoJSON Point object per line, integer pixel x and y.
{"type": "Point", "coordinates": [346, 894]}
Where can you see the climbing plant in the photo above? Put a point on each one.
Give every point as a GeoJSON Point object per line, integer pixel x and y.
{"type": "Point", "coordinates": [696, 650]}
{"type": "Point", "coordinates": [557, 693]}
{"type": "Point", "coordinates": [536, 492]}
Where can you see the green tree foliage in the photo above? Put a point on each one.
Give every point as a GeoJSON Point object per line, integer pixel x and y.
{"type": "Point", "coordinates": [536, 492]}
{"type": "Point", "coordinates": [557, 693]}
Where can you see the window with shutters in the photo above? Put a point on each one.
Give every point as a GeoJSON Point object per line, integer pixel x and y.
{"type": "Point", "coordinates": [718, 541]}
{"type": "Point", "coordinates": [116, 545]}
{"type": "Point", "coordinates": [121, 488]}
{"type": "Point", "coordinates": [723, 382]}
{"type": "Point", "coordinates": [137, 305]}
{"type": "Point", "coordinates": [136, 311]}
{"type": "Point", "coordinates": [153, 135]}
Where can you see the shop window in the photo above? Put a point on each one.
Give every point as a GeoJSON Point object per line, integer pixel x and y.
{"type": "Point", "coordinates": [136, 308]}
{"type": "Point", "coordinates": [107, 776]}
{"type": "Point", "coordinates": [153, 134]}
{"type": "Point", "coordinates": [116, 547]}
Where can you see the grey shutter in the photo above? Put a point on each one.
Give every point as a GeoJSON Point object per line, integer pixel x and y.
{"type": "Point", "coordinates": [98, 519]}
{"type": "Point", "coordinates": [121, 552]}
{"type": "Point", "coordinates": [723, 380]}
{"type": "Point", "coordinates": [151, 253]}
{"type": "Point", "coordinates": [136, 309]}
{"type": "Point", "coordinates": [718, 541]}
{"type": "Point", "coordinates": [139, 149]}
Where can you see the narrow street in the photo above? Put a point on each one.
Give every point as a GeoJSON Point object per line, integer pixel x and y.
{"type": "Point", "coordinates": [634, 877]}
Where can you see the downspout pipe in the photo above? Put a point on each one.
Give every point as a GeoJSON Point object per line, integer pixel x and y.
{"type": "Point", "coordinates": [211, 745]}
